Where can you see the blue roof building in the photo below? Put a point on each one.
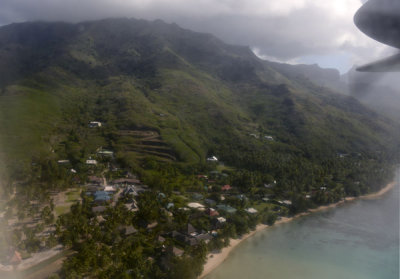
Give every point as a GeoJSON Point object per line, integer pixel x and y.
{"type": "Point", "coordinates": [102, 196]}
{"type": "Point", "coordinates": [226, 208]}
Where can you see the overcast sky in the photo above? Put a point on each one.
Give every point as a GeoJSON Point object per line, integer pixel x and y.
{"type": "Point", "coordinates": [292, 31]}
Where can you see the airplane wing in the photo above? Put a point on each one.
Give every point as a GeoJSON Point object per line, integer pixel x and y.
{"type": "Point", "coordinates": [380, 20]}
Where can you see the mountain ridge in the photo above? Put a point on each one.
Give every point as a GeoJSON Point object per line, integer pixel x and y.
{"type": "Point", "coordinates": [196, 81]}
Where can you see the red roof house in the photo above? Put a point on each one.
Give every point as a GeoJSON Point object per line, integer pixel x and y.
{"type": "Point", "coordinates": [212, 212]}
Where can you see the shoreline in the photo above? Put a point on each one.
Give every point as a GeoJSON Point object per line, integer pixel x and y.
{"type": "Point", "coordinates": [215, 259]}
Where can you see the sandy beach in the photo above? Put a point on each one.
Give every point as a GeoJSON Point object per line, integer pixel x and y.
{"type": "Point", "coordinates": [215, 259]}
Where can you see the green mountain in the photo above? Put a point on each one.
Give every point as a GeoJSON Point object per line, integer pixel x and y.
{"type": "Point", "coordinates": [167, 93]}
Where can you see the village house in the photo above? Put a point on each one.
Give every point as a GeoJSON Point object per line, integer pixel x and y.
{"type": "Point", "coordinates": [226, 208]}
{"type": "Point", "coordinates": [285, 202]}
{"type": "Point", "coordinates": [105, 153]}
{"type": "Point", "coordinates": [266, 199]}
{"type": "Point", "coordinates": [226, 187]}
{"type": "Point", "coordinates": [212, 212]}
{"type": "Point", "coordinates": [212, 159]}
{"type": "Point", "coordinates": [196, 237]}
{"type": "Point", "coordinates": [221, 219]}
{"type": "Point", "coordinates": [177, 252]}
{"type": "Point", "coordinates": [185, 238]}
{"type": "Point", "coordinates": [190, 236]}
{"type": "Point", "coordinates": [102, 196]}
{"type": "Point", "coordinates": [130, 190]}
{"type": "Point", "coordinates": [270, 138]}
{"type": "Point", "coordinates": [251, 210]}
{"type": "Point", "coordinates": [109, 188]}
{"type": "Point", "coordinates": [100, 219]}
{"type": "Point", "coordinates": [127, 230]}
{"type": "Point", "coordinates": [151, 226]}
{"type": "Point", "coordinates": [196, 205]}
{"type": "Point", "coordinates": [206, 237]}
{"type": "Point", "coordinates": [91, 162]}
{"type": "Point", "coordinates": [132, 206]}
{"type": "Point", "coordinates": [94, 124]}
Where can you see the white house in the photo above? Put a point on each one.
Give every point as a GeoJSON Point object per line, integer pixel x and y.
{"type": "Point", "coordinates": [212, 159]}
{"type": "Point", "coordinates": [105, 153]}
{"type": "Point", "coordinates": [91, 162]}
{"type": "Point", "coordinates": [94, 124]}
{"type": "Point", "coordinates": [251, 210]}
{"type": "Point", "coordinates": [285, 202]}
{"type": "Point", "coordinates": [109, 189]}
{"type": "Point", "coordinates": [196, 205]}
{"type": "Point", "coordinates": [221, 219]}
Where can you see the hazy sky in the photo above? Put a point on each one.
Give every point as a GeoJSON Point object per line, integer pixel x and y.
{"type": "Point", "coordinates": [293, 31]}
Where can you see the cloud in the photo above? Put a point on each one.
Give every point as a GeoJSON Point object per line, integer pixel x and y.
{"type": "Point", "coordinates": [283, 30]}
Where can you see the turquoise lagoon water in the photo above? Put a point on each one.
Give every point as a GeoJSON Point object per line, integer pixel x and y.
{"type": "Point", "coordinates": [359, 240]}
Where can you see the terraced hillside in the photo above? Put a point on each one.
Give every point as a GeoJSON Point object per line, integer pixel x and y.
{"type": "Point", "coordinates": [144, 143]}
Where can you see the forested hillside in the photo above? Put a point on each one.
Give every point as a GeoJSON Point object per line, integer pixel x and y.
{"type": "Point", "coordinates": [133, 74]}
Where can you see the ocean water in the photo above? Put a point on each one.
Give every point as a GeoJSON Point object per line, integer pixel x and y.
{"type": "Point", "coordinates": [359, 240]}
